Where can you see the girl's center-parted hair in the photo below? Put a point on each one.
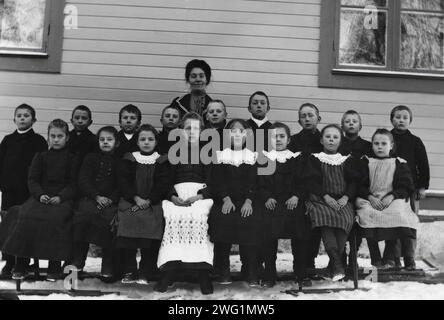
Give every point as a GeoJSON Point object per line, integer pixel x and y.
{"type": "Point", "coordinates": [108, 129]}
{"type": "Point", "coordinates": [277, 125]}
{"type": "Point", "coordinates": [309, 105]}
{"type": "Point", "coordinates": [147, 128]}
{"type": "Point", "coordinates": [59, 124]}
{"type": "Point", "coordinates": [230, 125]}
{"type": "Point", "coordinates": [191, 116]}
{"type": "Point", "coordinates": [335, 126]}
{"type": "Point", "coordinates": [387, 133]}
{"type": "Point", "coordinates": [219, 102]}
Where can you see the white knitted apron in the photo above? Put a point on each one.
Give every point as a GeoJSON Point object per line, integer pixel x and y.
{"type": "Point", "coordinates": [186, 236]}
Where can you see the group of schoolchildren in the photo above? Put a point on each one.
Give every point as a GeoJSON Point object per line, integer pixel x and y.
{"type": "Point", "coordinates": [121, 190]}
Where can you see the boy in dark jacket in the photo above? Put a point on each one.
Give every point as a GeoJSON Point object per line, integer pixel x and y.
{"type": "Point", "coordinates": [81, 140]}
{"type": "Point", "coordinates": [410, 148]}
{"type": "Point", "coordinates": [16, 153]}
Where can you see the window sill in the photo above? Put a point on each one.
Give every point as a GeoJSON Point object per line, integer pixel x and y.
{"type": "Point", "coordinates": [394, 74]}
{"type": "Point", "coordinates": [23, 53]}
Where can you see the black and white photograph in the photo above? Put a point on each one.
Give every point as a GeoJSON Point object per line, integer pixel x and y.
{"type": "Point", "coordinates": [222, 157]}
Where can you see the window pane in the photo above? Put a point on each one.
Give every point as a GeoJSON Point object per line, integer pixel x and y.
{"type": "Point", "coordinates": [22, 23]}
{"type": "Point", "coordinates": [435, 5]}
{"type": "Point", "coordinates": [363, 3]}
{"type": "Point", "coordinates": [422, 41]}
{"type": "Point", "coordinates": [363, 37]}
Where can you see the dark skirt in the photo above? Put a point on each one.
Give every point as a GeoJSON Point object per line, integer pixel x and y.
{"type": "Point", "coordinates": [380, 234]}
{"type": "Point", "coordinates": [282, 223]}
{"type": "Point", "coordinates": [133, 243]}
{"type": "Point", "coordinates": [38, 230]}
{"type": "Point", "coordinates": [142, 224]}
{"type": "Point", "coordinates": [323, 216]}
{"type": "Point", "coordinates": [93, 225]}
{"type": "Point", "coordinates": [232, 228]}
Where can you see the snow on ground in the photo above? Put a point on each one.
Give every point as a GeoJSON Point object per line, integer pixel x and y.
{"type": "Point", "coordinates": [430, 246]}
{"type": "Point", "coordinates": [240, 290]}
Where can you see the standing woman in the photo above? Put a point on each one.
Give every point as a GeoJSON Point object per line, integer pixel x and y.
{"type": "Point", "coordinates": [198, 77]}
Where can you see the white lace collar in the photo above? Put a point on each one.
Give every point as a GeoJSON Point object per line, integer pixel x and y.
{"type": "Point", "coordinates": [280, 156]}
{"type": "Point", "coordinates": [331, 159]}
{"type": "Point", "coordinates": [142, 159]}
{"type": "Point", "coordinates": [236, 157]}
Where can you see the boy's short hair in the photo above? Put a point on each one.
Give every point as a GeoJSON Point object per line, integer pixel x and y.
{"type": "Point", "coordinates": [171, 106]}
{"type": "Point", "coordinates": [283, 126]}
{"type": "Point", "coordinates": [260, 93]}
{"type": "Point", "coordinates": [26, 107]}
{"type": "Point", "coordinates": [309, 105]}
{"type": "Point", "coordinates": [351, 112]}
{"type": "Point", "coordinates": [191, 116]}
{"type": "Point", "coordinates": [147, 127]}
{"type": "Point", "coordinates": [196, 63]}
{"type": "Point", "coordinates": [59, 124]}
{"type": "Point", "coordinates": [130, 108]}
{"type": "Point", "coordinates": [401, 108]}
{"type": "Point", "coordinates": [333, 126]}
{"type": "Point", "coordinates": [82, 108]}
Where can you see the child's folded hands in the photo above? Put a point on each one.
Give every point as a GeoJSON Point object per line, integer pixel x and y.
{"type": "Point", "coordinates": [271, 204]}
{"type": "Point", "coordinates": [376, 203]}
{"type": "Point", "coordinates": [332, 203]}
{"type": "Point", "coordinates": [228, 206]}
{"type": "Point", "coordinates": [44, 199]}
{"type": "Point", "coordinates": [247, 209]}
{"type": "Point", "coordinates": [103, 202]}
{"type": "Point", "coordinates": [292, 203]}
{"type": "Point", "coordinates": [387, 200]}
{"type": "Point", "coordinates": [55, 200]}
{"type": "Point", "coordinates": [179, 201]}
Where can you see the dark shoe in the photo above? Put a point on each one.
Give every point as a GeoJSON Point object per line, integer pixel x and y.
{"type": "Point", "coordinates": [377, 264]}
{"type": "Point", "coordinates": [53, 277]}
{"type": "Point", "coordinates": [224, 279]}
{"type": "Point", "coordinates": [268, 284]}
{"type": "Point", "coordinates": [206, 286]}
{"type": "Point", "coordinates": [130, 278]}
{"type": "Point", "coordinates": [305, 282]}
{"type": "Point", "coordinates": [254, 283]}
{"type": "Point", "coordinates": [388, 265]}
{"type": "Point", "coordinates": [409, 264]}
{"type": "Point", "coordinates": [165, 282]}
{"type": "Point", "coordinates": [20, 270]}
{"type": "Point", "coordinates": [19, 275]}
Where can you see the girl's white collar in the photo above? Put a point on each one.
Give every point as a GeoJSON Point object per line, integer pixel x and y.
{"type": "Point", "coordinates": [236, 157]}
{"type": "Point", "coordinates": [143, 159]}
{"type": "Point", "coordinates": [331, 159]}
{"type": "Point", "coordinates": [280, 156]}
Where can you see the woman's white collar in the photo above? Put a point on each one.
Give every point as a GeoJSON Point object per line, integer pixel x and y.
{"type": "Point", "coordinates": [331, 159]}
{"type": "Point", "coordinates": [143, 159]}
{"type": "Point", "coordinates": [280, 156]}
{"type": "Point", "coordinates": [236, 157]}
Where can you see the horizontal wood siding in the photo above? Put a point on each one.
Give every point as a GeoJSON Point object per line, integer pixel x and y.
{"type": "Point", "coordinates": [135, 51]}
